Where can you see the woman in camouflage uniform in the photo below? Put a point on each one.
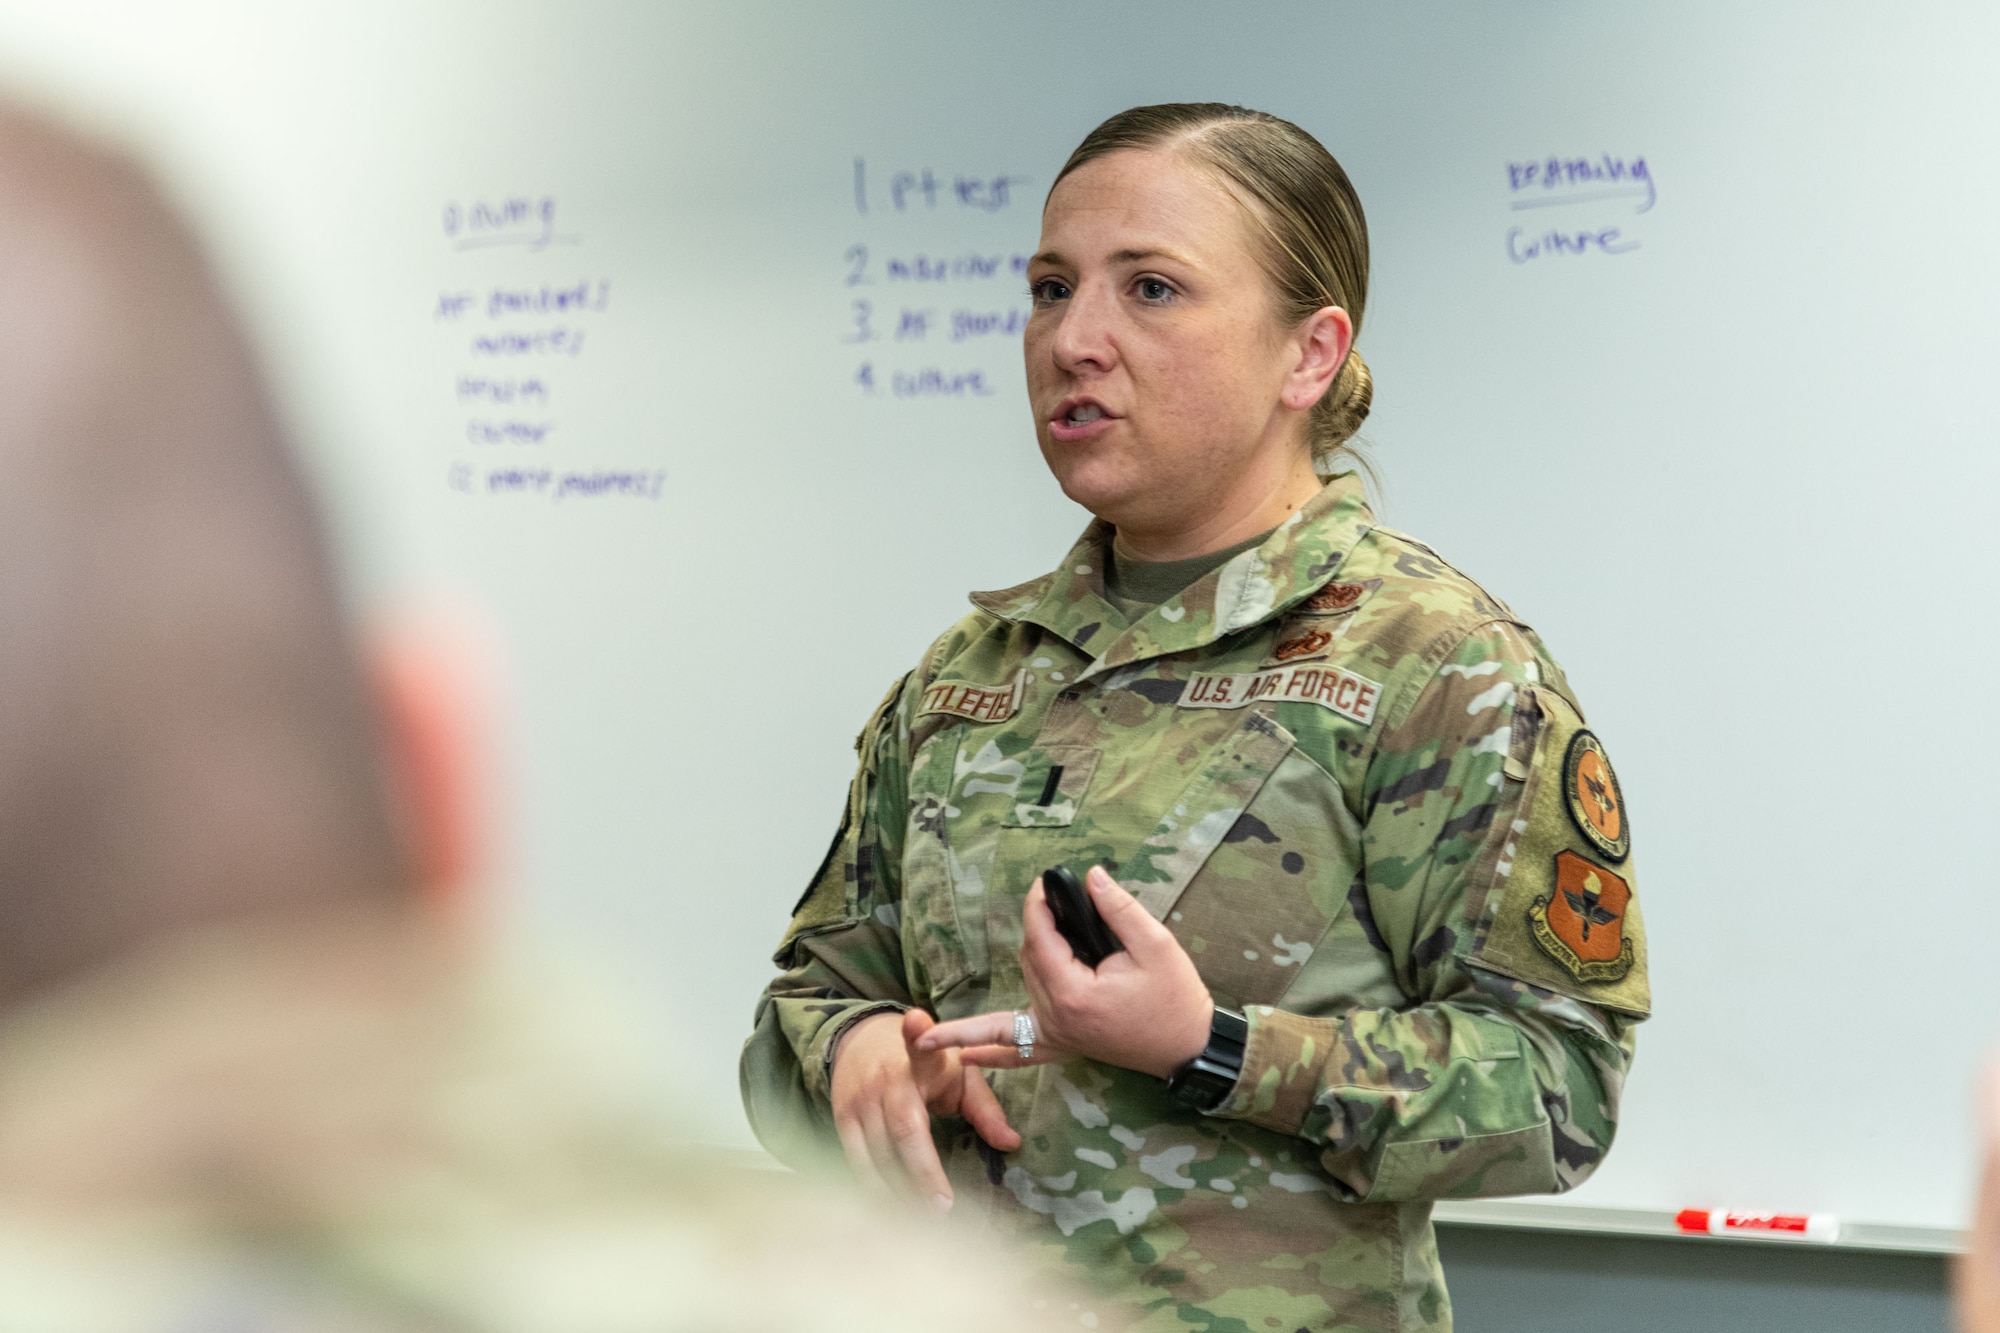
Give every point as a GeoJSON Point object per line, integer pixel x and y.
{"type": "Point", "coordinates": [1371, 872]}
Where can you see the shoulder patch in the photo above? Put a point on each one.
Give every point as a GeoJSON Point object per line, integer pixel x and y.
{"type": "Point", "coordinates": [1562, 911]}
{"type": "Point", "coordinates": [1587, 899]}
{"type": "Point", "coordinates": [1596, 805]}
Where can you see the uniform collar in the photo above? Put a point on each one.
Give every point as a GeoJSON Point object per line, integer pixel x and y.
{"type": "Point", "coordinates": [1250, 588]}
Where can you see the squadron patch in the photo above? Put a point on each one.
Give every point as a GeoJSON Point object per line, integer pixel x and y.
{"type": "Point", "coordinates": [1590, 791]}
{"type": "Point", "coordinates": [1581, 922]}
{"type": "Point", "coordinates": [1335, 598]}
{"type": "Point", "coordinates": [1305, 645]}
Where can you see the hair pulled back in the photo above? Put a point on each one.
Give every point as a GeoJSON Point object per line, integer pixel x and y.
{"type": "Point", "coordinates": [1317, 250]}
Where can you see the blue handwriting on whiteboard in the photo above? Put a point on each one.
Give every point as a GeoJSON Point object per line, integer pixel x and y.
{"type": "Point", "coordinates": [987, 324]}
{"type": "Point", "coordinates": [558, 341]}
{"type": "Point", "coordinates": [482, 389]}
{"type": "Point", "coordinates": [575, 298]}
{"type": "Point", "coordinates": [541, 300]}
{"type": "Point", "coordinates": [924, 189]}
{"type": "Point", "coordinates": [519, 220]}
{"type": "Point", "coordinates": [556, 486]}
{"type": "Point", "coordinates": [968, 267]}
{"type": "Point", "coordinates": [508, 432]}
{"type": "Point", "coordinates": [930, 382]}
{"type": "Point", "coordinates": [1554, 182]}
{"type": "Point", "coordinates": [642, 485]}
{"type": "Point", "coordinates": [1523, 248]}
{"type": "Point", "coordinates": [917, 323]}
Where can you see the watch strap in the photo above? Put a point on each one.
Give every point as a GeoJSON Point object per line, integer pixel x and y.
{"type": "Point", "coordinates": [1206, 1081]}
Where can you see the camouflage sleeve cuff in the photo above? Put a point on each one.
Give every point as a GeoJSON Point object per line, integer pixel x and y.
{"type": "Point", "coordinates": [1280, 1082]}
{"type": "Point", "coordinates": [818, 1060]}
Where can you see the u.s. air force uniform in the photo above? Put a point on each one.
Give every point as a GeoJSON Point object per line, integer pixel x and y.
{"type": "Point", "coordinates": [1361, 795]}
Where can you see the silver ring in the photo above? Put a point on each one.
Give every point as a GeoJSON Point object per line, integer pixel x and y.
{"type": "Point", "coordinates": [1024, 1035]}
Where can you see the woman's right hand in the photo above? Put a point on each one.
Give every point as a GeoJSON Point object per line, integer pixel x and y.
{"type": "Point", "coordinates": [885, 1093]}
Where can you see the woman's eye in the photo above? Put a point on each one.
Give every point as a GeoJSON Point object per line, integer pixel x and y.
{"type": "Point", "coordinates": [1049, 289]}
{"type": "Point", "coordinates": [1153, 289]}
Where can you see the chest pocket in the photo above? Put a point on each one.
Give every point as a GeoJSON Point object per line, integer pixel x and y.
{"type": "Point", "coordinates": [1265, 901]}
{"type": "Point", "coordinates": [1259, 851]}
{"type": "Point", "coordinates": [1053, 784]}
{"type": "Point", "coordinates": [1204, 812]}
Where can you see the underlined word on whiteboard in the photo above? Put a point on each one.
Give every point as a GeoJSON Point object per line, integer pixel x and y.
{"type": "Point", "coordinates": [1577, 207]}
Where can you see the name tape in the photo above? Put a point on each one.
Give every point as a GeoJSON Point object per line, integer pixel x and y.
{"type": "Point", "coordinates": [1345, 693]}
{"type": "Point", "coordinates": [978, 703]}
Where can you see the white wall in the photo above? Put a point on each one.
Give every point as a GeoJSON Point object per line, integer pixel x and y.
{"type": "Point", "coordinates": [1738, 472]}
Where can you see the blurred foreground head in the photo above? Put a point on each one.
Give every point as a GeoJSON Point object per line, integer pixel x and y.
{"type": "Point", "coordinates": [184, 732]}
{"type": "Point", "coordinates": [299, 1112]}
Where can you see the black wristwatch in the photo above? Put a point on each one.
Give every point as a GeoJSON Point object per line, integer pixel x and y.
{"type": "Point", "coordinates": [1205, 1082]}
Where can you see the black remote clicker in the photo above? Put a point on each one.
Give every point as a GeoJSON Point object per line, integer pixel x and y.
{"type": "Point", "coordinates": [1077, 917]}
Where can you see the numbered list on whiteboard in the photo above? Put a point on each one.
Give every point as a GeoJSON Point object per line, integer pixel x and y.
{"type": "Point", "coordinates": [934, 284]}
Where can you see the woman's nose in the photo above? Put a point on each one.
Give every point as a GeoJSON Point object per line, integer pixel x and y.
{"type": "Point", "coordinates": [1083, 339]}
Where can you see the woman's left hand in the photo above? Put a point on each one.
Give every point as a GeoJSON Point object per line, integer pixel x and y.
{"type": "Point", "coordinates": [1143, 1008]}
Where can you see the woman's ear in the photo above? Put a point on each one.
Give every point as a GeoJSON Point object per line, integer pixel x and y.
{"type": "Point", "coordinates": [1322, 340]}
{"type": "Point", "coordinates": [429, 699]}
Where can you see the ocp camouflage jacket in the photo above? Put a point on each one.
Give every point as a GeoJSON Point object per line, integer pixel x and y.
{"type": "Point", "coordinates": [1361, 795]}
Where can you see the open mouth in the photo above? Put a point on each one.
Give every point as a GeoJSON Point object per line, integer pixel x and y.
{"type": "Point", "coordinates": [1079, 419]}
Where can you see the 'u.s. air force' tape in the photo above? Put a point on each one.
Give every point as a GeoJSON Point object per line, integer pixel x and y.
{"type": "Point", "coordinates": [1345, 693]}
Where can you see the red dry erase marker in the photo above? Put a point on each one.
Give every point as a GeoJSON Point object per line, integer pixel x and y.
{"type": "Point", "coordinates": [1794, 1226]}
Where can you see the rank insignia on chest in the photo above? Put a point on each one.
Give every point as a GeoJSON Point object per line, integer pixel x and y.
{"type": "Point", "coordinates": [1581, 922]}
{"type": "Point", "coordinates": [975, 703]}
{"type": "Point", "coordinates": [1596, 806]}
{"type": "Point", "coordinates": [1303, 645]}
{"type": "Point", "coordinates": [1333, 599]}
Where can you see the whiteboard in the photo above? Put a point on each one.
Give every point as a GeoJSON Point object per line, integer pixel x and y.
{"type": "Point", "coordinates": [566, 304]}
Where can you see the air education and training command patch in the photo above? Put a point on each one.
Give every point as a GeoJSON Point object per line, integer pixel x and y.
{"type": "Point", "coordinates": [1590, 791]}
{"type": "Point", "coordinates": [1581, 924]}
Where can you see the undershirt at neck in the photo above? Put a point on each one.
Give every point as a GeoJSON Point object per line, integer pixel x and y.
{"type": "Point", "coordinates": [1135, 587]}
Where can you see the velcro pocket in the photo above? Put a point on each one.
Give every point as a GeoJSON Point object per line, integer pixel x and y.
{"type": "Point", "coordinates": [1205, 811]}
{"type": "Point", "coordinates": [1265, 898]}
{"type": "Point", "coordinates": [1053, 784]}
